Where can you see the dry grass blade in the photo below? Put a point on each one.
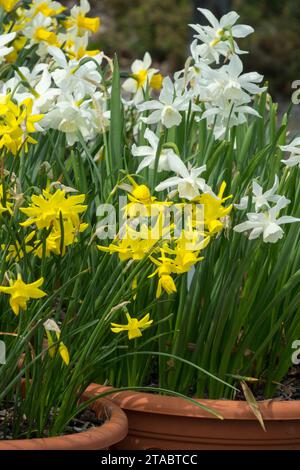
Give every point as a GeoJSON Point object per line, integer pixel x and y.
{"type": "Point", "coordinates": [253, 404]}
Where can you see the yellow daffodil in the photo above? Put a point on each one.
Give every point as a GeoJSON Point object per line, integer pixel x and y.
{"type": "Point", "coordinates": [137, 244]}
{"type": "Point", "coordinates": [16, 123]}
{"type": "Point", "coordinates": [134, 326]}
{"type": "Point", "coordinates": [214, 210]}
{"type": "Point", "coordinates": [20, 293]}
{"type": "Point", "coordinates": [45, 209]}
{"type": "Point", "coordinates": [129, 248]}
{"type": "Point", "coordinates": [164, 271]}
{"type": "Point", "coordinates": [142, 203]}
{"type": "Point", "coordinates": [15, 251]}
{"type": "Point", "coordinates": [187, 250]}
{"type": "Point", "coordinates": [54, 243]}
{"type": "Point", "coordinates": [51, 326]}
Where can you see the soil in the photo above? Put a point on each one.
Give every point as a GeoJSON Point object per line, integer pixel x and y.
{"type": "Point", "coordinates": [288, 389]}
{"type": "Point", "coordinates": [87, 419]}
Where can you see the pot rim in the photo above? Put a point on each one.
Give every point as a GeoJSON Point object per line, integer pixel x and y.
{"type": "Point", "coordinates": [230, 409]}
{"type": "Point", "coordinates": [112, 431]}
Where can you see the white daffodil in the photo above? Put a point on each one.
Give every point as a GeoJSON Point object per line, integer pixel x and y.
{"type": "Point", "coordinates": [40, 30]}
{"type": "Point", "coordinates": [266, 223]}
{"type": "Point", "coordinates": [71, 115]}
{"type": "Point", "coordinates": [76, 47]}
{"type": "Point", "coordinates": [168, 107]}
{"type": "Point", "coordinates": [226, 114]}
{"type": "Point", "coordinates": [141, 76]}
{"type": "Point", "coordinates": [294, 149]}
{"type": "Point", "coordinates": [39, 87]}
{"type": "Point", "coordinates": [102, 114]}
{"type": "Point", "coordinates": [4, 40]}
{"type": "Point", "coordinates": [46, 7]}
{"type": "Point", "coordinates": [261, 198]}
{"type": "Point", "coordinates": [78, 23]}
{"type": "Point", "coordinates": [71, 77]}
{"type": "Point", "coordinates": [218, 39]}
{"type": "Point", "coordinates": [227, 94]}
{"type": "Point", "coordinates": [166, 158]}
{"type": "Point", "coordinates": [188, 182]}
{"type": "Point", "coordinates": [228, 82]}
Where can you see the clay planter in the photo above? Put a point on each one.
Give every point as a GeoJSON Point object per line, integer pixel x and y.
{"type": "Point", "coordinates": [103, 437]}
{"type": "Point", "coordinates": [167, 423]}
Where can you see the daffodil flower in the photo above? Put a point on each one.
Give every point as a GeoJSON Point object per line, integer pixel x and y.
{"type": "Point", "coordinates": [48, 8]}
{"type": "Point", "coordinates": [54, 243]}
{"type": "Point", "coordinates": [18, 121]}
{"type": "Point", "coordinates": [214, 209]}
{"type": "Point", "coordinates": [79, 23]}
{"type": "Point", "coordinates": [168, 107]}
{"type": "Point", "coordinates": [164, 270]}
{"type": "Point", "coordinates": [134, 326]}
{"type": "Point", "coordinates": [4, 40]}
{"type": "Point", "coordinates": [47, 209]}
{"type": "Point", "coordinates": [294, 149]}
{"type": "Point", "coordinates": [20, 293]}
{"type": "Point", "coordinates": [267, 223]}
{"type": "Point", "coordinates": [51, 326]}
{"type": "Point", "coordinates": [72, 77]}
{"type": "Point", "coordinates": [40, 91]}
{"type": "Point", "coordinates": [142, 75]}
{"type": "Point", "coordinates": [218, 38]}
{"type": "Point", "coordinates": [135, 244]}
{"type": "Point", "coordinates": [261, 198]}
{"type": "Point", "coordinates": [187, 250]}
{"type": "Point", "coordinates": [188, 182]}
{"type": "Point", "coordinates": [141, 202]}
{"type": "Point", "coordinates": [166, 158]}
{"type": "Point", "coordinates": [39, 31]}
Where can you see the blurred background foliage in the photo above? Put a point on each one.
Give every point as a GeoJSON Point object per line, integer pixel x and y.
{"type": "Point", "coordinates": [131, 27]}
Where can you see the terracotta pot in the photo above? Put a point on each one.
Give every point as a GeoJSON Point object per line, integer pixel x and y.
{"type": "Point", "coordinates": [167, 423]}
{"type": "Point", "coordinates": [103, 437]}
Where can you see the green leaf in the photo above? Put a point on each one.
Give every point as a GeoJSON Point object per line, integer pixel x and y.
{"type": "Point", "coordinates": [116, 120]}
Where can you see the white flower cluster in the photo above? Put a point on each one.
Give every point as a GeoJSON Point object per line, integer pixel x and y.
{"type": "Point", "coordinates": [223, 90]}
{"type": "Point", "coordinates": [213, 87]}
{"type": "Point", "coordinates": [264, 221]}
{"type": "Point", "coordinates": [220, 95]}
{"type": "Point", "coordinates": [65, 84]}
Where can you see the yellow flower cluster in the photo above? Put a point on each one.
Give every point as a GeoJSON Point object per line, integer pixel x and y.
{"type": "Point", "coordinates": [57, 213]}
{"type": "Point", "coordinates": [45, 23]}
{"type": "Point", "coordinates": [16, 124]}
{"type": "Point", "coordinates": [171, 255]}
